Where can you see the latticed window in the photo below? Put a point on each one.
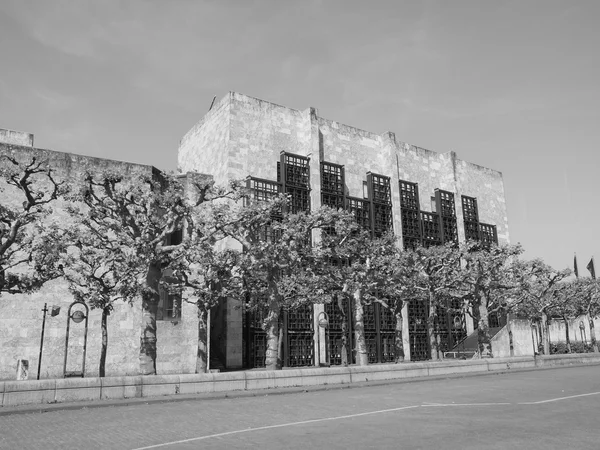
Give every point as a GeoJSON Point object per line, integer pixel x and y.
{"type": "Point", "coordinates": [380, 194]}
{"type": "Point", "coordinates": [296, 180]}
{"type": "Point", "coordinates": [471, 218]}
{"type": "Point", "coordinates": [446, 210]}
{"type": "Point", "coordinates": [382, 219]}
{"type": "Point", "coordinates": [409, 195]}
{"type": "Point", "coordinates": [469, 206]}
{"type": "Point", "coordinates": [488, 234]}
{"type": "Point", "coordinates": [332, 185]}
{"type": "Point", "coordinates": [431, 229]}
{"type": "Point", "coordinates": [262, 190]}
{"type": "Point", "coordinates": [296, 169]}
{"type": "Point", "coordinates": [332, 178]}
{"type": "Point", "coordinates": [380, 188]}
{"type": "Point", "coordinates": [362, 211]}
{"type": "Point", "coordinates": [410, 214]}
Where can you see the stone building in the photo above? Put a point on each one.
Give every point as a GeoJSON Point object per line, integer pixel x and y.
{"type": "Point", "coordinates": [423, 196]}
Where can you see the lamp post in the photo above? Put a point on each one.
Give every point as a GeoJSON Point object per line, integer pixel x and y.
{"type": "Point", "coordinates": [323, 321]}
{"type": "Point", "coordinates": [53, 312]}
{"type": "Point", "coordinates": [582, 333]}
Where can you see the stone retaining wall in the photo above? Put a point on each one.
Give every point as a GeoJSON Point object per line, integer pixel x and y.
{"type": "Point", "coordinates": [14, 393]}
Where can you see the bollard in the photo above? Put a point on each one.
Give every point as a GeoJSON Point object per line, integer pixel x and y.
{"type": "Point", "coordinates": [23, 370]}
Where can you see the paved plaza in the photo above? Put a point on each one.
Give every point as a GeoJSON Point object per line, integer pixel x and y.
{"type": "Point", "coordinates": [543, 409]}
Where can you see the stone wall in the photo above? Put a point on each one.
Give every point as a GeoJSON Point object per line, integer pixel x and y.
{"type": "Point", "coordinates": [16, 137]}
{"type": "Point", "coordinates": [21, 315]}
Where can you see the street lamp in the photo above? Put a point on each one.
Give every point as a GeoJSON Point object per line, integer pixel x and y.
{"type": "Point", "coordinates": [323, 321]}
{"type": "Point", "coordinates": [53, 312]}
{"type": "Point", "coordinates": [582, 333]}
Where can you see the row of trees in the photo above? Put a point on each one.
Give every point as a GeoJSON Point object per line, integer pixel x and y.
{"type": "Point", "coordinates": [122, 234]}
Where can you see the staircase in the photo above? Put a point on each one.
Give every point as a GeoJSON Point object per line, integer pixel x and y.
{"type": "Point", "coordinates": [468, 348]}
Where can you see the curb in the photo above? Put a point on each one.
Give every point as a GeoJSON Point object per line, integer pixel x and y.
{"type": "Point", "coordinates": [25, 397]}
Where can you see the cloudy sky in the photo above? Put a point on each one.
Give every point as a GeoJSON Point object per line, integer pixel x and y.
{"type": "Point", "coordinates": [512, 85]}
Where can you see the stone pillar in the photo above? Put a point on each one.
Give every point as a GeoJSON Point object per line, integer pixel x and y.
{"type": "Point", "coordinates": [469, 322]}
{"type": "Point", "coordinates": [233, 350]}
{"type": "Point", "coordinates": [405, 333]}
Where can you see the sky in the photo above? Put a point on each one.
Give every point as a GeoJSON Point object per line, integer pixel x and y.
{"type": "Point", "coordinates": [510, 85]}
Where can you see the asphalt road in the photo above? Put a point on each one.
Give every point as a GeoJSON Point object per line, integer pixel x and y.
{"type": "Point", "coordinates": [544, 409]}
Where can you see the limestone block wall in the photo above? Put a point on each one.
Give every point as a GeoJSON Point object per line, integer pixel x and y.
{"type": "Point", "coordinates": [488, 187]}
{"type": "Point", "coordinates": [558, 332]}
{"type": "Point", "coordinates": [16, 137]}
{"type": "Point", "coordinates": [21, 315]}
{"type": "Point", "coordinates": [203, 149]}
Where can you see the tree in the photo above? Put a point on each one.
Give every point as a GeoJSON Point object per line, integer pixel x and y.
{"type": "Point", "coordinates": [204, 276]}
{"type": "Point", "coordinates": [569, 294]}
{"type": "Point", "coordinates": [487, 284]}
{"type": "Point", "coordinates": [139, 213]}
{"type": "Point", "coordinates": [100, 272]}
{"type": "Point", "coordinates": [587, 302]}
{"type": "Point", "coordinates": [276, 260]}
{"type": "Point", "coordinates": [357, 267]}
{"type": "Point", "coordinates": [28, 244]}
{"type": "Point", "coordinates": [432, 275]}
{"type": "Point", "coordinates": [538, 294]}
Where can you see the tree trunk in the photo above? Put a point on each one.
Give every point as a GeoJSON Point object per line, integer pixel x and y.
{"type": "Point", "coordinates": [567, 337]}
{"type": "Point", "coordinates": [398, 341]}
{"type": "Point", "coordinates": [362, 359]}
{"type": "Point", "coordinates": [148, 327]}
{"type": "Point", "coordinates": [545, 334]}
{"type": "Point", "coordinates": [102, 368]}
{"type": "Point", "coordinates": [202, 353]}
{"type": "Point", "coordinates": [484, 340]}
{"type": "Point", "coordinates": [433, 342]}
{"type": "Point", "coordinates": [272, 360]}
{"type": "Point", "coordinates": [344, 355]}
{"type": "Point", "coordinates": [593, 334]}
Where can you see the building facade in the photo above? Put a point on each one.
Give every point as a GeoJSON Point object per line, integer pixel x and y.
{"type": "Point", "coordinates": [424, 197]}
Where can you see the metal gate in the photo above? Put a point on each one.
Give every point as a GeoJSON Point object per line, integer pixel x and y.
{"type": "Point", "coordinates": [417, 325]}
{"type": "Point", "coordinates": [380, 330]}
{"type": "Point", "coordinates": [299, 332]}
{"type": "Point", "coordinates": [255, 339]}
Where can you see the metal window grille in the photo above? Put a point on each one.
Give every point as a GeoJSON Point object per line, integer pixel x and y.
{"type": "Point", "coordinates": [294, 174]}
{"type": "Point", "coordinates": [380, 195]}
{"type": "Point", "coordinates": [409, 195]}
{"type": "Point", "coordinates": [361, 209]}
{"type": "Point", "coordinates": [300, 336]}
{"type": "Point", "coordinates": [446, 210]}
{"type": "Point", "coordinates": [296, 169]}
{"type": "Point", "coordinates": [417, 328]}
{"type": "Point", "coordinates": [382, 219]}
{"type": "Point", "coordinates": [410, 214]}
{"type": "Point", "coordinates": [471, 218]}
{"type": "Point", "coordinates": [469, 207]}
{"type": "Point", "coordinates": [488, 234]}
{"type": "Point", "coordinates": [431, 229]}
{"type": "Point", "coordinates": [380, 188]}
{"type": "Point", "coordinates": [332, 178]}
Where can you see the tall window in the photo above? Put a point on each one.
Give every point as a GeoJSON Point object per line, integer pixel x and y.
{"type": "Point", "coordinates": [410, 214]}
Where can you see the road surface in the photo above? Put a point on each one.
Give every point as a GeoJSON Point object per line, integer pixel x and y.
{"type": "Point", "coordinates": [544, 409]}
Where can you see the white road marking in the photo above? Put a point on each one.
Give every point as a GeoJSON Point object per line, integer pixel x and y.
{"type": "Point", "coordinates": [268, 427]}
{"type": "Point", "coordinates": [464, 404]}
{"type": "Point", "coordinates": [349, 416]}
{"type": "Point", "coordinates": [558, 399]}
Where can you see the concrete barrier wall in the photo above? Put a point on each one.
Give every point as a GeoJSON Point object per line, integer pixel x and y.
{"type": "Point", "coordinates": [14, 393]}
